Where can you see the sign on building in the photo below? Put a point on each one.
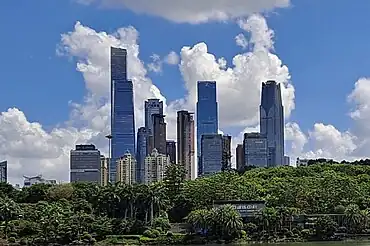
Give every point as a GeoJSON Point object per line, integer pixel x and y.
{"type": "Point", "coordinates": [245, 208]}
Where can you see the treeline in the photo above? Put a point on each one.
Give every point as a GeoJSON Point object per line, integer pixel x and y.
{"type": "Point", "coordinates": [86, 213]}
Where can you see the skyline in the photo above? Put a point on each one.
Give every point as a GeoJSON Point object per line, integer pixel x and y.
{"type": "Point", "coordinates": [337, 130]}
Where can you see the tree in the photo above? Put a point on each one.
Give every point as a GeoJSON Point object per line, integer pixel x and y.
{"type": "Point", "coordinates": [9, 210]}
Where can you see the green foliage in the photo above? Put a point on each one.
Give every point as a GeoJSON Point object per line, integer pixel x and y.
{"type": "Point", "coordinates": [85, 212]}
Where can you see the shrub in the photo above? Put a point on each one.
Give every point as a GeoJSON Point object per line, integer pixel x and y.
{"type": "Point", "coordinates": [169, 234]}
{"type": "Point", "coordinates": [11, 240]}
{"type": "Point", "coordinates": [148, 233]}
{"type": "Point", "coordinates": [155, 233]}
{"type": "Point", "coordinates": [243, 234]}
{"type": "Point", "coordinates": [23, 241]}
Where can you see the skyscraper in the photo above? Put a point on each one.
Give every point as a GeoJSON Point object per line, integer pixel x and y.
{"type": "Point", "coordinates": [126, 169]}
{"type": "Point", "coordinates": [104, 162]}
{"type": "Point", "coordinates": [171, 150]}
{"type": "Point", "coordinates": [142, 146]}
{"type": "Point", "coordinates": [212, 153]}
{"type": "Point", "coordinates": [85, 164]}
{"type": "Point", "coordinates": [272, 122]}
{"type": "Point", "coordinates": [226, 152]}
{"type": "Point", "coordinates": [207, 114]}
{"type": "Point", "coordinates": [152, 106]}
{"type": "Point", "coordinates": [155, 167]}
{"type": "Point", "coordinates": [255, 150]}
{"type": "Point", "coordinates": [4, 171]}
{"type": "Point", "coordinates": [240, 157]}
{"type": "Point", "coordinates": [122, 109]}
{"type": "Point", "coordinates": [159, 133]}
{"type": "Point", "coordinates": [185, 142]}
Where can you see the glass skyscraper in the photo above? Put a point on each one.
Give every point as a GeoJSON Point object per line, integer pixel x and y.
{"type": "Point", "coordinates": [152, 106]}
{"type": "Point", "coordinates": [272, 122]}
{"type": "Point", "coordinates": [122, 110]}
{"type": "Point", "coordinates": [212, 153]}
{"type": "Point", "coordinates": [207, 115]}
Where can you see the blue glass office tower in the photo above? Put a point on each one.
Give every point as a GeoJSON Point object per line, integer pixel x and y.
{"type": "Point", "coordinates": [207, 115]}
{"type": "Point", "coordinates": [142, 145]}
{"type": "Point", "coordinates": [272, 122]}
{"type": "Point", "coordinates": [122, 110]}
{"type": "Point", "coordinates": [212, 153]}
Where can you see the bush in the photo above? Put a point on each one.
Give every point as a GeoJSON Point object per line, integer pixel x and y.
{"type": "Point", "coordinates": [23, 241]}
{"type": "Point", "coordinates": [169, 234]}
{"type": "Point", "coordinates": [162, 223]}
{"type": "Point", "coordinates": [148, 233]}
{"type": "Point", "coordinates": [155, 233]}
{"type": "Point", "coordinates": [11, 240]}
{"type": "Point", "coordinates": [243, 234]}
{"type": "Point", "coordinates": [251, 228]}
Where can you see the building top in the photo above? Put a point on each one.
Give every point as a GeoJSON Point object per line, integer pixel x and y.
{"type": "Point", "coordinates": [253, 135]}
{"type": "Point", "coordinates": [170, 141]}
{"type": "Point", "coordinates": [86, 147]}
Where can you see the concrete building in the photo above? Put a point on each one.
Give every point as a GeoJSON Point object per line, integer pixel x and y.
{"type": "Point", "coordinates": [159, 133]}
{"type": "Point", "coordinates": [272, 122]}
{"type": "Point", "coordinates": [152, 106]}
{"type": "Point", "coordinates": [126, 169]}
{"type": "Point", "coordinates": [171, 150]}
{"type": "Point", "coordinates": [185, 143]}
{"type": "Point", "coordinates": [4, 172]}
{"type": "Point", "coordinates": [240, 160]}
{"type": "Point", "coordinates": [286, 161]}
{"type": "Point", "coordinates": [226, 153]}
{"type": "Point", "coordinates": [155, 167]}
{"type": "Point", "coordinates": [207, 114]}
{"type": "Point", "coordinates": [85, 164]}
{"type": "Point", "coordinates": [302, 162]}
{"type": "Point", "coordinates": [29, 181]}
{"type": "Point", "coordinates": [122, 110]}
{"type": "Point", "coordinates": [212, 154]}
{"type": "Point", "coordinates": [142, 150]}
{"type": "Point", "coordinates": [104, 164]}
{"type": "Point", "coordinates": [255, 150]}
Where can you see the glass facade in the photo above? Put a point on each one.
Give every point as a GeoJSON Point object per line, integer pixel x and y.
{"type": "Point", "coordinates": [152, 106]}
{"type": "Point", "coordinates": [142, 145]}
{"type": "Point", "coordinates": [85, 163]}
{"type": "Point", "coordinates": [4, 171]}
{"type": "Point", "coordinates": [272, 122]}
{"type": "Point", "coordinates": [171, 150]}
{"type": "Point", "coordinates": [212, 153]}
{"type": "Point", "coordinates": [207, 115]}
{"type": "Point", "coordinates": [255, 150]}
{"type": "Point", "coordinates": [122, 114]}
{"type": "Point", "coordinates": [185, 142]}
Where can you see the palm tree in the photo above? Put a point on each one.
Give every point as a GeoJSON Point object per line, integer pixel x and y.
{"type": "Point", "coordinates": [352, 217]}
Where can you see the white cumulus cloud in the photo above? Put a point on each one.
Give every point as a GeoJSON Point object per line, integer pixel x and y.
{"type": "Point", "coordinates": [194, 11]}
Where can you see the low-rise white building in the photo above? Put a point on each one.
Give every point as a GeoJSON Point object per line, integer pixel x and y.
{"type": "Point", "coordinates": [29, 181]}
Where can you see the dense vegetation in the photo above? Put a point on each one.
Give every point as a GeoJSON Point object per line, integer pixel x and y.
{"type": "Point", "coordinates": [87, 213]}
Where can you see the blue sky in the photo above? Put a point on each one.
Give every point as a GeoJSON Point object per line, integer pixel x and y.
{"type": "Point", "coordinates": [324, 45]}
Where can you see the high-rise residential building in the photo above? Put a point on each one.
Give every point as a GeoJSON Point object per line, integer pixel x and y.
{"type": "Point", "coordinates": [272, 122]}
{"type": "Point", "coordinates": [29, 181]}
{"type": "Point", "coordinates": [226, 153]}
{"type": "Point", "coordinates": [122, 110]}
{"type": "Point", "coordinates": [85, 164]}
{"type": "Point", "coordinates": [159, 133]}
{"type": "Point", "coordinates": [142, 147]}
{"type": "Point", "coordinates": [255, 150]}
{"type": "Point", "coordinates": [171, 150]}
{"type": "Point", "coordinates": [212, 154]}
{"type": "Point", "coordinates": [185, 143]}
{"type": "Point", "coordinates": [4, 171]}
{"type": "Point", "coordinates": [126, 169]}
{"type": "Point", "coordinates": [240, 157]}
{"type": "Point", "coordinates": [152, 106]}
{"type": "Point", "coordinates": [207, 114]}
{"type": "Point", "coordinates": [286, 161]}
{"type": "Point", "coordinates": [155, 167]}
{"type": "Point", "coordinates": [104, 163]}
